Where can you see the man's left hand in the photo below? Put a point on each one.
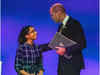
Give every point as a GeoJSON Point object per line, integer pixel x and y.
{"type": "Point", "coordinates": [61, 51]}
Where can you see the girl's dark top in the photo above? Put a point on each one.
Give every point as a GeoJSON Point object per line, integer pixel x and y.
{"type": "Point", "coordinates": [29, 58]}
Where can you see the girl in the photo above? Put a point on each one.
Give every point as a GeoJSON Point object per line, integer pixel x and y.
{"type": "Point", "coordinates": [28, 56]}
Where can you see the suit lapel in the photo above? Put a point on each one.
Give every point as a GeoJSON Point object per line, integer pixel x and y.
{"type": "Point", "coordinates": [66, 27]}
{"type": "Point", "coordinates": [69, 21]}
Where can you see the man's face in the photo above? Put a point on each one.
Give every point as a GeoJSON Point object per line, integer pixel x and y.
{"type": "Point", "coordinates": [32, 34]}
{"type": "Point", "coordinates": [54, 16]}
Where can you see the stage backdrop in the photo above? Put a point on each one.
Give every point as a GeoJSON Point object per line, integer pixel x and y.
{"type": "Point", "coordinates": [18, 13]}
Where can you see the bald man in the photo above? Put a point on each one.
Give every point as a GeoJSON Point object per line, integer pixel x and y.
{"type": "Point", "coordinates": [72, 29]}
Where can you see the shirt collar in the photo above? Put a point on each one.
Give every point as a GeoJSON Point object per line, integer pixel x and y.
{"type": "Point", "coordinates": [65, 20]}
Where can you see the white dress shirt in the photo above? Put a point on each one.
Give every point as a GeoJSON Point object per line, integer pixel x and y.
{"type": "Point", "coordinates": [65, 20]}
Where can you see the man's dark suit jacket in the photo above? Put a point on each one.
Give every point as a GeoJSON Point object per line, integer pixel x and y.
{"type": "Point", "coordinates": [73, 31]}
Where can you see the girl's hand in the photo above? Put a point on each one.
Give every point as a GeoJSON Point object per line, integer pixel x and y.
{"type": "Point", "coordinates": [32, 74]}
{"type": "Point", "coordinates": [40, 72]}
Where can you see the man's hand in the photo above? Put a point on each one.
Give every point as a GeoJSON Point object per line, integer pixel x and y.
{"type": "Point", "coordinates": [61, 51]}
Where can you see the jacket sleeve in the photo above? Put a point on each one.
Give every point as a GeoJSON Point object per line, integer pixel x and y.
{"type": "Point", "coordinates": [44, 47]}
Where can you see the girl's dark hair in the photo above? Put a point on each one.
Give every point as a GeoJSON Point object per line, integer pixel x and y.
{"type": "Point", "coordinates": [24, 31]}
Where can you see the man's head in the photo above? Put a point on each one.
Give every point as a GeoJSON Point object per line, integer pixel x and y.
{"type": "Point", "coordinates": [27, 33]}
{"type": "Point", "coordinates": [57, 12]}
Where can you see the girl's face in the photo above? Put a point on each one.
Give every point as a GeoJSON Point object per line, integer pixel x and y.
{"type": "Point", "coordinates": [32, 34]}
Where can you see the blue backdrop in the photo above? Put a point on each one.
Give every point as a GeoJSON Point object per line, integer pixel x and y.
{"type": "Point", "coordinates": [18, 13]}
